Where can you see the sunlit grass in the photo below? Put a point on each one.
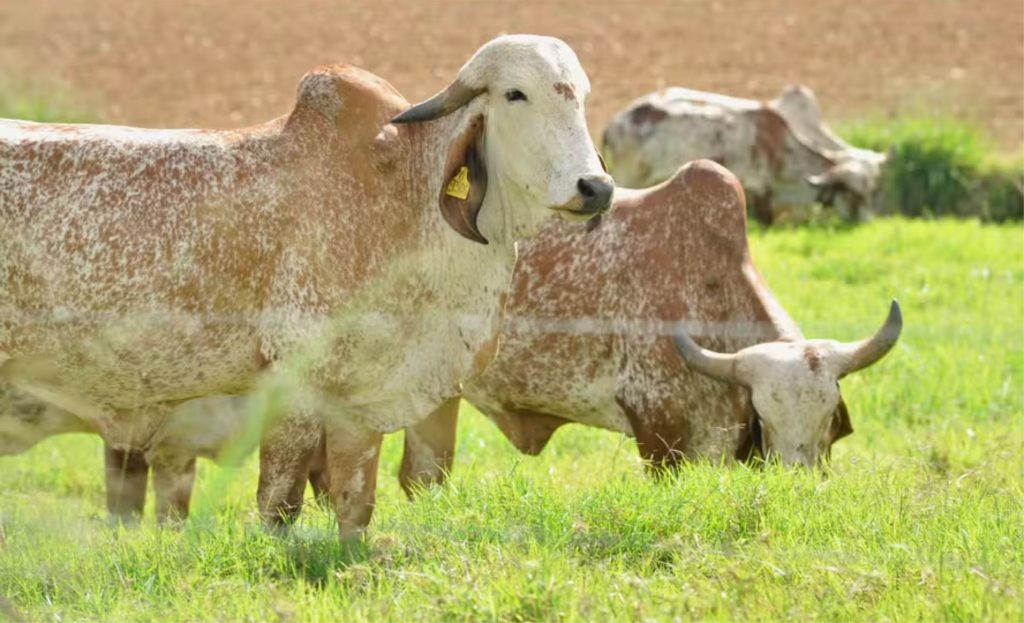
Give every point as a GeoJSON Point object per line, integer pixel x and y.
{"type": "Point", "coordinates": [921, 518]}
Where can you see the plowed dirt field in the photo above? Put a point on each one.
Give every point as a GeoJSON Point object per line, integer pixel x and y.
{"type": "Point", "coordinates": [218, 63]}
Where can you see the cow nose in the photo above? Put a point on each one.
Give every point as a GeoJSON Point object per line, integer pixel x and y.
{"type": "Point", "coordinates": [597, 193]}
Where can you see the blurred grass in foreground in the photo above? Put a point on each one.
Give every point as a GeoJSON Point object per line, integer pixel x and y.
{"type": "Point", "coordinates": [921, 518]}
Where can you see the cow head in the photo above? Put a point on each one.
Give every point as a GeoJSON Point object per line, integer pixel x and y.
{"type": "Point", "coordinates": [794, 386]}
{"type": "Point", "coordinates": [854, 179]}
{"type": "Point", "coordinates": [841, 172]}
{"type": "Point", "coordinates": [530, 151]}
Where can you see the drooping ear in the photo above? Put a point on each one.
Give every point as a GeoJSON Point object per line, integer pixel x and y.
{"type": "Point", "coordinates": [752, 445]}
{"type": "Point", "coordinates": [465, 182]}
{"type": "Point", "coordinates": [841, 426]}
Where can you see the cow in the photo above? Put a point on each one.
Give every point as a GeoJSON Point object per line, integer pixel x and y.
{"type": "Point", "coordinates": [348, 261]}
{"type": "Point", "coordinates": [26, 420]}
{"type": "Point", "coordinates": [859, 169]}
{"type": "Point", "coordinates": [782, 152]}
{"type": "Point", "coordinates": [598, 332]}
{"type": "Point", "coordinates": [213, 427]}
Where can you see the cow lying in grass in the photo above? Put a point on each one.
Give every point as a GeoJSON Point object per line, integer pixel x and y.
{"type": "Point", "coordinates": [351, 257]}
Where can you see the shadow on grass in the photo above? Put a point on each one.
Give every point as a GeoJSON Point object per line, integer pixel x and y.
{"type": "Point", "coordinates": [308, 551]}
{"type": "Point", "coordinates": [320, 557]}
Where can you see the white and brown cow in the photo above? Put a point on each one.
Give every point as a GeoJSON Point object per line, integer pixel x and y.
{"type": "Point", "coordinates": [598, 332]}
{"type": "Point", "coordinates": [349, 260]}
{"type": "Point", "coordinates": [216, 428]}
{"type": "Point", "coordinates": [781, 150]}
{"type": "Point", "coordinates": [590, 332]}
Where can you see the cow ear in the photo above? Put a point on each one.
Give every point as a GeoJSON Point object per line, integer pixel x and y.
{"type": "Point", "coordinates": [465, 182]}
{"type": "Point", "coordinates": [841, 426]}
{"type": "Point", "coordinates": [752, 445]}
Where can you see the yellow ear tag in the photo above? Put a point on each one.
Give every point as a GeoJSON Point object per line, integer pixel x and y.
{"type": "Point", "coordinates": [458, 186]}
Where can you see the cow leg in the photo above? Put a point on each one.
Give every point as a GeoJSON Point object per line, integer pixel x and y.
{"type": "Point", "coordinates": [287, 453]}
{"type": "Point", "coordinates": [660, 437]}
{"type": "Point", "coordinates": [353, 452]}
{"type": "Point", "coordinates": [429, 449]}
{"type": "Point", "coordinates": [173, 477]}
{"type": "Point", "coordinates": [126, 475]}
{"type": "Point", "coordinates": [318, 478]}
{"type": "Point", "coordinates": [855, 209]}
{"type": "Point", "coordinates": [762, 208]}
{"type": "Point", "coordinates": [659, 447]}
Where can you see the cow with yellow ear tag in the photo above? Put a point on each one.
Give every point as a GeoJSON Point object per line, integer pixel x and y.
{"type": "Point", "coordinates": [333, 257]}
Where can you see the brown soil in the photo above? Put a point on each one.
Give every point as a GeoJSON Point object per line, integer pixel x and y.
{"type": "Point", "coordinates": [218, 63]}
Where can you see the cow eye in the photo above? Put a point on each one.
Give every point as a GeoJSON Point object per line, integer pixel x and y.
{"type": "Point", "coordinates": [515, 95]}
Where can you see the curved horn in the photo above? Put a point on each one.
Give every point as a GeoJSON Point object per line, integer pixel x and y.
{"type": "Point", "coordinates": [822, 179]}
{"type": "Point", "coordinates": [471, 81]}
{"type": "Point", "coordinates": [716, 365]}
{"type": "Point", "coordinates": [454, 96]}
{"type": "Point", "coordinates": [858, 355]}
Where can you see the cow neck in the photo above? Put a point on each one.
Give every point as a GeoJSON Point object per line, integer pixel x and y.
{"type": "Point", "coordinates": [462, 270]}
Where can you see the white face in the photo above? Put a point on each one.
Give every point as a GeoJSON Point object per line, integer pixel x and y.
{"type": "Point", "coordinates": [795, 393]}
{"type": "Point", "coordinates": [537, 141]}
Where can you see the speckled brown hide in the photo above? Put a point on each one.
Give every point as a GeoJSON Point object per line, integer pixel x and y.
{"type": "Point", "coordinates": [347, 264]}
{"type": "Point", "coordinates": [587, 338]}
{"type": "Point", "coordinates": [587, 334]}
{"type": "Point", "coordinates": [142, 268]}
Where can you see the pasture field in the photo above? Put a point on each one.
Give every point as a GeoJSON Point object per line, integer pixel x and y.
{"type": "Point", "coordinates": [920, 518]}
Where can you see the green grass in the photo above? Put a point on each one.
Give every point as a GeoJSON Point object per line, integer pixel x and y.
{"type": "Point", "coordinates": [921, 518]}
{"type": "Point", "coordinates": [51, 105]}
{"type": "Point", "coordinates": [940, 167]}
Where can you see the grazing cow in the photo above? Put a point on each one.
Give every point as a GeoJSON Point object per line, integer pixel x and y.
{"type": "Point", "coordinates": [348, 260]}
{"type": "Point", "coordinates": [26, 420]}
{"type": "Point", "coordinates": [208, 427]}
{"type": "Point", "coordinates": [592, 321]}
{"type": "Point", "coordinates": [859, 169]}
{"type": "Point", "coordinates": [782, 152]}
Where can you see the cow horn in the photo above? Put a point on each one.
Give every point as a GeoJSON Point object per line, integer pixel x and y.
{"type": "Point", "coordinates": [858, 355]}
{"type": "Point", "coordinates": [454, 96]}
{"type": "Point", "coordinates": [716, 365]}
{"type": "Point", "coordinates": [471, 81]}
{"type": "Point", "coordinates": [822, 180]}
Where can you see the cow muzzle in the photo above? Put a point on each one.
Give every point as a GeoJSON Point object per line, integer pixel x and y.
{"type": "Point", "coordinates": [597, 191]}
{"type": "Point", "coordinates": [594, 198]}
